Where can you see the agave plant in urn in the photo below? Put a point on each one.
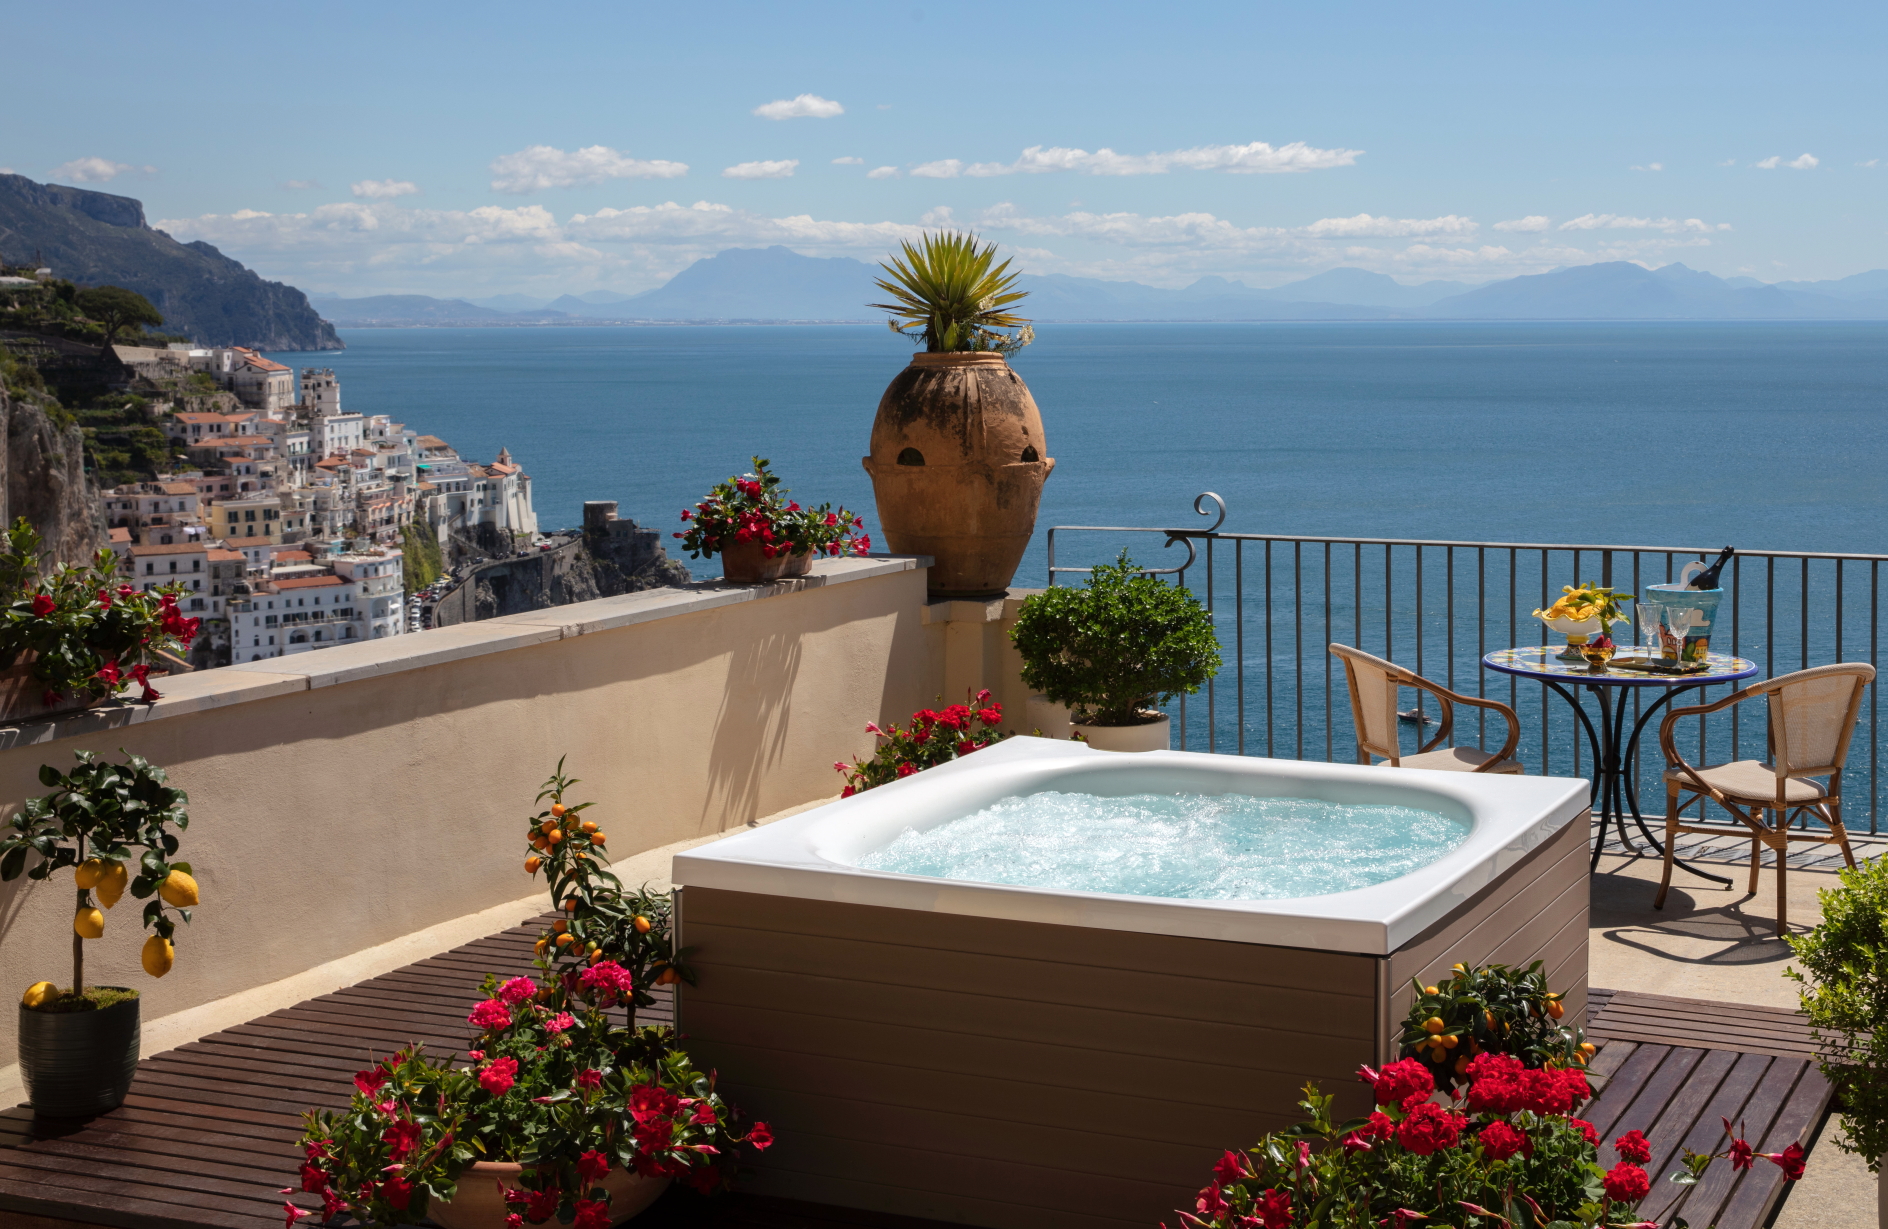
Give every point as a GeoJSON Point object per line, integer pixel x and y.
{"type": "Point", "coordinates": [958, 457]}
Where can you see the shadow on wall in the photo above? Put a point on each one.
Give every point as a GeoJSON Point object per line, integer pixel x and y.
{"type": "Point", "coordinates": [751, 725]}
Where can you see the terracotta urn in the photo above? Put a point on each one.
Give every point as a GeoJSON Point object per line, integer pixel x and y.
{"type": "Point", "coordinates": [479, 1202]}
{"type": "Point", "coordinates": [958, 462]}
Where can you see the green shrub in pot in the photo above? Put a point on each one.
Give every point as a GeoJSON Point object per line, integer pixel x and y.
{"type": "Point", "coordinates": [1117, 648]}
{"type": "Point", "coordinates": [1844, 973]}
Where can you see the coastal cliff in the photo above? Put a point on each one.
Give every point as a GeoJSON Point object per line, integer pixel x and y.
{"type": "Point", "coordinates": [95, 238]}
{"type": "Point", "coordinates": [42, 477]}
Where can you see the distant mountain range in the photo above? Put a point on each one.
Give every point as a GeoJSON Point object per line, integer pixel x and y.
{"type": "Point", "coordinates": [95, 239]}
{"type": "Point", "coordinates": [777, 284]}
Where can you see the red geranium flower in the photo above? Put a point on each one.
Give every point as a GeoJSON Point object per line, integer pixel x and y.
{"type": "Point", "coordinates": [498, 1078]}
{"type": "Point", "coordinates": [1429, 1128]}
{"type": "Point", "coordinates": [1632, 1146]}
{"type": "Point", "coordinates": [1626, 1183]}
{"type": "Point", "coordinates": [1585, 1128]}
{"type": "Point", "coordinates": [489, 1016]}
{"type": "Point", "coordinates": [1501, 1141]}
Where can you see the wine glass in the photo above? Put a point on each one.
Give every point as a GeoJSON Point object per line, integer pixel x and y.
{"type": "Point", "coordinates": [1649, 615]}
{"type": "Point", "coordinates": [1678, 621]}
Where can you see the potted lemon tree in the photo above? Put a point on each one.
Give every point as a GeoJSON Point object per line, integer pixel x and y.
{"type": "Point", "coordinates": [114, 826]}
{"type": "Point", "coordinates": [1114, 650]}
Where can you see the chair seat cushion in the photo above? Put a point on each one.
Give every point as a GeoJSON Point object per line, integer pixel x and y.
{"type": "Point", "coordinates": [1457, 759]}
{"type": "Point", "coordinates": [1749, 781]}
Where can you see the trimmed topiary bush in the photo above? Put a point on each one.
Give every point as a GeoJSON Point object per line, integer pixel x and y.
{"type": "Point", "coordinates": [1124, 643]}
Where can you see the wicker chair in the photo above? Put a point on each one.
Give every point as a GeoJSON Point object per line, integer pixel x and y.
{"type": "Point", "coordinates": [1812, 716]}
{"type": "Point", "coordinates": [1373, 683]}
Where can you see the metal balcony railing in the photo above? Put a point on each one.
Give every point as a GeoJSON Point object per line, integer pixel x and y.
{"type": "Point", "coordinates": [1438, 607]}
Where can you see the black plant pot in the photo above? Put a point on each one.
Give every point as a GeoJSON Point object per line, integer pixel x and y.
{"type": "Point", "coordinates": [78, 1063]}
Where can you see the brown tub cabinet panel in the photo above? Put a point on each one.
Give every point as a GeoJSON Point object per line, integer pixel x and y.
{"type": "Point", "coordinates": [976, 1124]}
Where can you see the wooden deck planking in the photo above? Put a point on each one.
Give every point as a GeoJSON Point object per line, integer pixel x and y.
{"type": "Point", "coordinates": [1691, 1064]}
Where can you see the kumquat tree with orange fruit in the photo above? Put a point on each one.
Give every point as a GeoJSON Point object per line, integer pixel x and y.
{"type": "Point", "coordinates": [1493, 1009]}
{"type": "Point", "coordinates": [115, 826]}
{"type": "Point", "coordinates": [602, 921]}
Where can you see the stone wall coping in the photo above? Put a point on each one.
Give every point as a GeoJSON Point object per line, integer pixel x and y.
{"type": "Point", "coordinates": [258, 680]}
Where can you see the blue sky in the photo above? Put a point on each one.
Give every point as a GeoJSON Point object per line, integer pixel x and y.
{"type": "Point", "coordinates": [475, 149]}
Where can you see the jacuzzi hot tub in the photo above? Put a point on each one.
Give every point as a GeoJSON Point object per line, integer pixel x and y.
{"type": "Point", "coordinates": [1002, 1054]}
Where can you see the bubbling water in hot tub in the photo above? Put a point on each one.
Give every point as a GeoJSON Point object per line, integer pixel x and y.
{"type": "Point", "coordinates": [1182, 846]}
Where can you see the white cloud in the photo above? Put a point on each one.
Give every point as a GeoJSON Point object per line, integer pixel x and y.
{"type": "Point", "coordinates": [805, 106]}
{"type": "Point", "coordinates": [782, 169]}
{"type": "Point", "coordinates": [882, 172]}
{"type": "Point", "coordinates": [538, 167]}
{"type": "Point", "coordinates": [1728, 162]}
{"type": "Point", "coordinates": [1363, 225]}
{"type": "Point", "coordinates": [1613, 221]}
{"type": "Point", "coordinates": [1650, 166]}
{"type": "Point", "coordinates": [945, 168]}
{"type": "Point", "coordinates": [940, 216]}
{"type": "Point", "coordinates": [848, 161]}
{"type": "Point", "coordinates": [1533, 223]}
{"type": "Point", "coordinates": [96, 170]}
{"type": "Point", "coordinates": [1802, 162]}
{"type": "Point", "coordinates": [1870, 162]}
{"type": "Point", "coordinates": [300, 185]}
{"type": "Point", "coordinates": [1255, 158]}
{"type": "Point", "coordinates": [383, 189]}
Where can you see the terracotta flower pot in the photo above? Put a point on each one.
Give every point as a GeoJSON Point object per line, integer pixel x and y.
{"type": "Point", "coordinates": [22, 695]}
{"type": "Point", "coordinates": [958, 462]}
{"type": "Point", "coordinates": [79, 1063]}
{"type": "Point", "coordinates": [742, 563]}
{"type": "Point", "coordinates": [479, 1202]}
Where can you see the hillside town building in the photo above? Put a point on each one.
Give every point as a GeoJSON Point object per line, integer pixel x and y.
{"type": "Point", "coordinates": [287, 529]}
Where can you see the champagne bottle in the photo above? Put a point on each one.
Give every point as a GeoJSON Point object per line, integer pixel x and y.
{"type": "Point", "coordinates": [1708, 579]}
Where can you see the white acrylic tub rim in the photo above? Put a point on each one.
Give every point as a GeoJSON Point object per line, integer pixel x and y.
{"type": "Point", "coordinates": [809, 855]}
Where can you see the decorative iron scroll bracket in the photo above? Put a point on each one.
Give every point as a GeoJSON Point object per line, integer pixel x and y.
{"type": "Point", "coordinates": [1183, 536]}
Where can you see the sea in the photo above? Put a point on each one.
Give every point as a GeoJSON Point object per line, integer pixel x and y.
{"type": "Point", "coordinates": [1766, 436]}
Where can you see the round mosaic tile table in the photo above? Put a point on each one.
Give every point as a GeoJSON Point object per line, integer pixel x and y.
{"type": "Point", "coordinates": [1614, 793]}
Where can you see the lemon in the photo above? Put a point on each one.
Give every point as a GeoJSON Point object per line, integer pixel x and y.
{"type": "Point", "coordinates": [38, 993]}
{"type": "Point", "coordinates": [111, 883]}
{"type": "Point", "coordinates": [89, 872]}
{"type": "Point", "coordinates": [88, 923]}
{"type": "Point", "coordinates": [158, 955]}
{"type": "Point", "coordinates": [178, 889]}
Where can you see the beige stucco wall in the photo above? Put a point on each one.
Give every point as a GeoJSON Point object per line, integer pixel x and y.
{"type": "Point", "coordinates": [346, 799]}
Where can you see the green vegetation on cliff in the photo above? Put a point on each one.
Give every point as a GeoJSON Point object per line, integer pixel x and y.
{"type": "Point", "coordinates": [421, 559]}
